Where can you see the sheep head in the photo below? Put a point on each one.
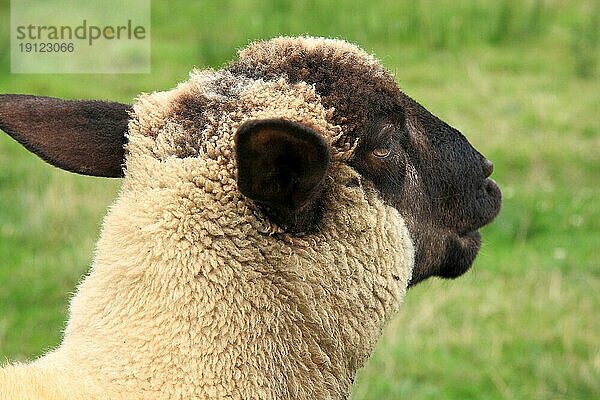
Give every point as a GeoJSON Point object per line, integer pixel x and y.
{"type": "Point", "coordinates": [419, 164]}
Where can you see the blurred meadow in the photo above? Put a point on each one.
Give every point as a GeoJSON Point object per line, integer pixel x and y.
{"type": "Point", "coordinates": [521, 79]}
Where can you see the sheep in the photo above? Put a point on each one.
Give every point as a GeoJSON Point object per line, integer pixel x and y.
{"type": "Point", "coordinates": [272, 215]}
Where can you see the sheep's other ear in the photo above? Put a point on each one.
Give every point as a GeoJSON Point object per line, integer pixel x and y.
{"type": "Point", "coordinates": [81, 136]}
{"type": "Point", "coordinates": [282, 165]}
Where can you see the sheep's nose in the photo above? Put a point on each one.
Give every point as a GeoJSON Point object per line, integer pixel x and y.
{"type": "Point", "coordinates": [488, 167]}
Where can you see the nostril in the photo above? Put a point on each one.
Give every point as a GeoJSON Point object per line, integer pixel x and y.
{"type": "Point", "coordinates": [488, 167]}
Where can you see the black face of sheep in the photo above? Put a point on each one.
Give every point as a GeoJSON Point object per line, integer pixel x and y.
{"type": "Point", "coordinates": [437, 180]}
{"type": "Point", "coordinates": [425, 168]}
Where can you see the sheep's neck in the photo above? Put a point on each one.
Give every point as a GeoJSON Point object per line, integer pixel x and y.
{"type": "Point", "coordinates": [256, 339]}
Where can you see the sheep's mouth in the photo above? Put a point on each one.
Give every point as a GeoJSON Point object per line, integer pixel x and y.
{"type": "Point", "coordinates": [460, 244]}
{"type": "Point", "coordinates": [486, 206]}
{"type": "Point", "coordinates": [463, 247]}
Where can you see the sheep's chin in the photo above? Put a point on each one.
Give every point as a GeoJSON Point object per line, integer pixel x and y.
{"type": "Point", "coordinates": [461, 251]}
{"type": "Point", "coordinates": [460, 255]}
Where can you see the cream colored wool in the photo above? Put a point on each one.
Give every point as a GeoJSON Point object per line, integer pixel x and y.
{"type": "Point", "coordinates": [194, 294]}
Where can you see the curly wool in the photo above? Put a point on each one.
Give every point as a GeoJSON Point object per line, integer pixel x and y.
{"type": "Point", "coordinates": [194, 293]}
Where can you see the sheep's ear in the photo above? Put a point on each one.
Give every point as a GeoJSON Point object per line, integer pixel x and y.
{"type": "Point", "coordinates": [281, 165]}
{"type": "Point", "coordinates": [81, 136]}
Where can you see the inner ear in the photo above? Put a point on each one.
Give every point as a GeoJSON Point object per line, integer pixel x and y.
{"type": "Point", "coordinates": [282, 165]}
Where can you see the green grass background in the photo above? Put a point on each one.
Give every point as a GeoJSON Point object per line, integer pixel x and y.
{"type": "Point", "coordinates": [521, 79]}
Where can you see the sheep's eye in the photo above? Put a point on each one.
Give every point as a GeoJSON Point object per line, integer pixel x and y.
{"type": "Point", "coordinates": [381, 152]}
{"type": "Point", "coordinates": [384, 140]}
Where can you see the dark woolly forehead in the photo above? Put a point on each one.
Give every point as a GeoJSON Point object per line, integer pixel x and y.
{"type": "Point", "coordinates": [348, 79]}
